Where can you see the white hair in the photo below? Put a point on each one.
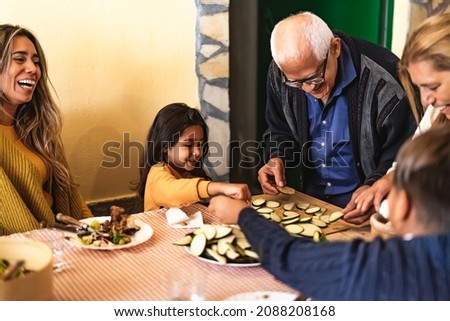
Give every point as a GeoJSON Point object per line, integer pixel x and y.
{"type": "Point", "coordinates": [299, 35]}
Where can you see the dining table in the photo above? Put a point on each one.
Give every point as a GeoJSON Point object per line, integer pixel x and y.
{"type": "Point", "coordinates": [141, 272]}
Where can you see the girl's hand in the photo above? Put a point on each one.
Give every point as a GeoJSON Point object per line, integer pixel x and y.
{"type": "Point", "coordinates": [226, 209]}
{"type": "Point", "coordinates": [237, 191]}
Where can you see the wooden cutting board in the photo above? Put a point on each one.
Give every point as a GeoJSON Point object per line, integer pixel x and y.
{"type": "Point", "coordinates": [336, 226]}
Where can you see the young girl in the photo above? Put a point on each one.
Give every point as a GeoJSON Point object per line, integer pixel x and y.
{"type": "Point", "coordinates": [172, 173]}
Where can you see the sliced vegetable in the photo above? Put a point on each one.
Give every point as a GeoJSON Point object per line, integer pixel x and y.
{"type": "Point", "coordinates": [309, 229]}
{"type": "Point", "coordinates": [272, 204]}
{"type": "Point", "coordinates": [232, 254]}
{"type": "Point", "coordinates": [294, 228]}
{"type": "Point", "coordinates": [185, 240]}
{"type": "Point", "coordinates": [223, 244]}
{"type": "Point", "coordinates": [216, 256]}
{"type": "Point", "coordinates": [290, 214]}
{"type": "Point", "coordinates": [286, 190]}
{"type": "Point", "coordinates": [251, 254]}
{"type": "Point", "coordinates": [275, 217]}
{"type": "Point", "coordinates": [265, 215]}
{"type": "Point", "coordinates": [290, 221]}
{"type": "Point", "coordinates": [237, 232]}
{"type": "Point", "coordinates": [243, 243]}
{"type": "Point", "coordinates": [318, 222]}
{"type": "Point", "coordinates": [222, 231]}
{"type": "Point", "coordinates": [319, 237]}
{"type": "Point", "coordinates": [289, 206]}
{"type": "Point", "coordinates": [259, 202]}
{"type": "Point", "coordinates": [312, 210]}
{"type": "Point", "coordinates": [303, 206]}
{"type": "Point", "coordinates": [335, 216]}
{"type": "Point", "coordinates": [265, 210]}
{"type": "Point", "coordinates": [198, 244]}
{"type": "Point", "coordinates": [207, 229]}
{"type": "Point", "coordinates": [305, 219]}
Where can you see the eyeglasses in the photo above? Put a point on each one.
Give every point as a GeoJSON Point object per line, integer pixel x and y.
{"type": "Point", "coordinates": [314, 80]}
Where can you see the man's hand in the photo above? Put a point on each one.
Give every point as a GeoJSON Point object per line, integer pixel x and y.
{"type": "Point", "coordinates": [272, 175]}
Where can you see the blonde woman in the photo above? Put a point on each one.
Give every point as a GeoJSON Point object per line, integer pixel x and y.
{"type": "Point", "coordinates": [425, 65]}
{"type": "Point", "coordinates": [35, 181]}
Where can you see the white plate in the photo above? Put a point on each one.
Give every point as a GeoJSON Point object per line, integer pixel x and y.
{"type": "Point", "coordinates": [263, 296]}
{"type": "Point", "coordinates": [227, 264]}
{"type": "Point", "coordinates": [144, 234]}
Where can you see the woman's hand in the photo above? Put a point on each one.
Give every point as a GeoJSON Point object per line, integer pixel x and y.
{"type": "Point", "coordinates": [354, 214]}
{"type": "Point", "coordinates": [366, 200]}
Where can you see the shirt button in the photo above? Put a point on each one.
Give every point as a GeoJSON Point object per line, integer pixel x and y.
{"type": "Point", "coordinates": [323, 165]}
{"type": "Point", "coordinates": [324, 122]}
{"type": "Point", "coordinates": [328, 184]}
{"type": "Point", "coordinates": [323, 144]}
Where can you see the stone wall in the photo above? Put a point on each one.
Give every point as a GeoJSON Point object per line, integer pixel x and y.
{"type": "Point", "coordinates": [212, 68]}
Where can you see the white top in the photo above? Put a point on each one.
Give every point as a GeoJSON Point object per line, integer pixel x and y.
{"type": "Point", "coordinates": [426, 122]}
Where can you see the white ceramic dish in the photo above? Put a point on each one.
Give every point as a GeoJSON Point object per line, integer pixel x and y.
{"type": "Point", "coordinates": [36, 285]}
{"type": "Point", "coordinates": [263, 296]}
{"type": "Point", "coordinates": [227, 264]}
{"type": "Point", "coordinates": [144, 234]}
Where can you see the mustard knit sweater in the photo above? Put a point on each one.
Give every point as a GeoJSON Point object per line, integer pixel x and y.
{"type": "Point", "coordinates": [166, 187]}
{"type": "Point", "coordinates": [23, 204]}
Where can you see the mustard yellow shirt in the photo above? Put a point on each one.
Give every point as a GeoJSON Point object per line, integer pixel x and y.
{"type": "Point", "coordinates": [166, 187]}
{"type": "Point", "coordinates": [24, 202]}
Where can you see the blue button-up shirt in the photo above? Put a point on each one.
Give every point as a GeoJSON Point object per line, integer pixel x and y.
{"type": "Point", "coordinates": [331, 151]}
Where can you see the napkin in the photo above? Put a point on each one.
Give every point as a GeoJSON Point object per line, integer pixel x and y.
{"type": "Point", "coordinates": [177, 218]}
{"type": "Point", "coordinates": [384, 209]}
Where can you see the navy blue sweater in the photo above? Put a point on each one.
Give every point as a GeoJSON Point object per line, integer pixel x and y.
{"type": "Point", "coordinates": [396, 269]}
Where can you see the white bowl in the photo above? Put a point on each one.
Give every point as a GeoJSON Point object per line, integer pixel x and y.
{"type": "Point", "coordinates": [380, 226]}
{"type": "Point", "coordinates": [36, 285]}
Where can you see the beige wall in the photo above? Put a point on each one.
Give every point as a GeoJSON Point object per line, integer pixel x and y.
{"type": "Point", "coordinates": [114, 64]}
{"type": "Point", "coordinates": [400, 25]}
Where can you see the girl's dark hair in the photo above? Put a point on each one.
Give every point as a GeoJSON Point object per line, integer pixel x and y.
{"type": "Point", "coordinates": [169, 124]}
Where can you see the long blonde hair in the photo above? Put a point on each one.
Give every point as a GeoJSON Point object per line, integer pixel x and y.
{"type": "Point", "coordinates": [430, 41]}
{"type": "Point", "coordinates": [37, 123]}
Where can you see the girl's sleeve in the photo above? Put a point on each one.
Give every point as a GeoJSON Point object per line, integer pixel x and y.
{"type": "Point", "coordinates": [164, 189]}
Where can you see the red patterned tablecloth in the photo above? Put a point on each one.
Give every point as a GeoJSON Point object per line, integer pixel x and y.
{"type": "Point", "coordinates": [139, 273]}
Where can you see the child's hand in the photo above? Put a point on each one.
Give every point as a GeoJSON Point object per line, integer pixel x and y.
{"type": "Point", "coordinates": [226, 209]}
{"type": "Point", "coordinates": [237, 191]}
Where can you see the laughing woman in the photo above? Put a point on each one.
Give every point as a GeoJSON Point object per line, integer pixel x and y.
{"type": "Point", "coordinates": [35, 181]}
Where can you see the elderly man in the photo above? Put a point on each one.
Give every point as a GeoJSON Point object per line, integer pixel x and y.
{"type": "Point", "coordinates": [336, 108]}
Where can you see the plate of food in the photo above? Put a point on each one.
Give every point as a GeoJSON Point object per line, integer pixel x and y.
{"type": "Point", "coordinates": [220, 244]}
{"type": "Point", "coordinates": [263, 296]}
{"type": "Point", "coordinates": [114, 232]}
